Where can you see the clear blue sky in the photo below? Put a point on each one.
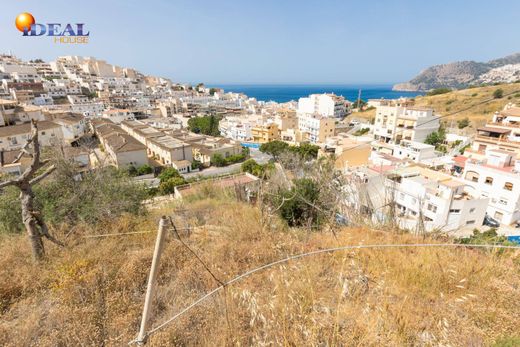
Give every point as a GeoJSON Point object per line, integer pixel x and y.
{"type": "Point", "coordinates": [274, 41]}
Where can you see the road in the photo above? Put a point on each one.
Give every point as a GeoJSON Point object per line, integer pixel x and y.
{"type": "Point", "coordinates": [255, 154]}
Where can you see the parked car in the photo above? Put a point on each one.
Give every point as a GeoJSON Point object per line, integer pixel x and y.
{"type": "Point", "coordinates": [490, 222]}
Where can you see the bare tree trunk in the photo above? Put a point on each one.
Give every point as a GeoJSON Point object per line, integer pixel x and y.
{"type": "Point", "coordinates": [31, 217]}
{"type": "Point", "coordinates": [31, 222]}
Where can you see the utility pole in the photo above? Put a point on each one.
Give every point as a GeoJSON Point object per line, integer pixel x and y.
{"type": "Point", "coordinates": [359, 101]}
{"type": "Point", "coordinates": [152, 279]}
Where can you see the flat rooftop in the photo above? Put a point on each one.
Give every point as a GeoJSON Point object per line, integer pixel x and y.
{"type": "Point", "coordinates": [168, 142]}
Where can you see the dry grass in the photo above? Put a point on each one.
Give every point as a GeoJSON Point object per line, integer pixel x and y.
{"type": "Point", "coordinates": [91, 294]}
{"type": "Point", "coordinates": [445, 104]}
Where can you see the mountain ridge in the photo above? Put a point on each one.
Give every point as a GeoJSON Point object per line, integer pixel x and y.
{"type": "Point", "coordinates": [462, 74]}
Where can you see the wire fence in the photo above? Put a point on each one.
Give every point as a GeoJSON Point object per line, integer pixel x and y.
{"type": "Point", "coordinates": [308, 254]}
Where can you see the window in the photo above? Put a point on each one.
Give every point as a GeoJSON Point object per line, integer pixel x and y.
{"type": "Point", "coordinates": [401, 195]}
{"type": "Point", "coordinates": [508, 186]}
{"type": "Point", "coordinates": [470, 222]}
{"type": "Point", "coordinates": [472, 176]}
{"type": "Point", "coordinates": [489, 180]}
{"type": "Point", "coordinates": [498, 216]}
{"type": "Point", "coordinates": [471, 210]}
{"type": "Point", "coordinates": [454, 211]}
{"type": "Point", "coordinates": [432, 208]}
{"type": "Point", "coordinates": [502, 201]}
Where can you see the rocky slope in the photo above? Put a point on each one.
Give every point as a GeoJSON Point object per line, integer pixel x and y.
{"type": "Point", "coordinates": [462, 74]}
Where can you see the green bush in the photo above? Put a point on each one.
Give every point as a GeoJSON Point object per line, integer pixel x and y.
{"type": "Point", "coordinates": [218, 160]}
{"type": "Point", "coordinates": [132, 171]}
{"type": "Point", "coordinates": [489, 237]}
{"type": "Point", "coordinates": [296, 204]}
{"type": "Point", "coordinates": [438, 91]}
{"type": "Point", "coordinates": [256, 169]}
{"type": "Point", "coordinates": [463, 123]}
{"type": "Point", "coordinates": [274, 148]}
{"type": "Point", "coordinates": [207, 125]}
{"type": "Point", "coordinates": [168, 173]}
{"type": "Point", "coordinates": [10, 211]}
{"type": "Point", "coordinates": [361, 132]}
{"type": "Point", "coordinates": [498, 94]}
{"type": "Point", "coordinates": [196, 165]}
{"type": "Point", "coordinates": [144, 170]}
{"type": "Point", "coordinates": [168, 186]}
{"type": "Point", "coordinates": [99, 195]}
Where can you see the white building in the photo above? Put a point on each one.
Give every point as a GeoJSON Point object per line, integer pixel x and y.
{"type": "Point", "coordinates": [396, 123]}
{"type": "Point", "coordinates": [441, 202]}
{"type": "Point", "coordinates": [318, 127]}
{"type": "Point", "coordinates": [496, 177]}
{"type": "Point", "coordinates": [415, 151]}
{"type": "Point", "coordinates": [118, 115]}
{"type": "Point", "coordinates": [73, 127]}
{"type": "Point", "coordinates": [326, 105]}
{"type": "Point", "coordinates": [15, 136]}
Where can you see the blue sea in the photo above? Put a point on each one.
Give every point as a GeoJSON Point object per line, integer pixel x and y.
{"type": "Point", "coordinates": [288, 92]}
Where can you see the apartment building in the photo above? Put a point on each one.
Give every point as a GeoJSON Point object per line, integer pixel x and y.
{"type": "Point", "coordinates": [496, 177]}
{"type": "Point", "coordinates": [7, 112]}
{"type": "Point", "coordinates": [117, 115]}
{"type": "Point", "coordinates": [434, 201]}
{"type": "Point", "coordinates": [263, 133]}
{"type": "Point", "coordinates": [163, 148]}
{"type": "Point", "coordinates": [205, 147]}
{"type": "Point", "coordinates": [410, 150]}
{"type": "Point", "coordinates": [318, 127]}
{"type": "Point", "coordinates": [122, 149]}
{"type": "Point", "coordinates": [326, 105]}
{"type": "Point", "coordinates": [15, 136]}
{"type": "Point", "coordinates": [396, 123]}
{"type": "Point", "coordinates": [503, 132]}
{"type": "Point", "coordinates": [170, 151]}
{"type": "Point", "coordinates": [73, 127]}
{"type": "Point", "coordinates": [237, 128]}
{"type": "Point", "coordinates": [286, 119]}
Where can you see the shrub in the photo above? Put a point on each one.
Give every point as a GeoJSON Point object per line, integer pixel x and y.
{"type": "Point", "coordinates": [145, 169]}
{"type": "Point", "coordinates": [498, 94]}
{"type": "Point", "coordinates": [306, 151]}
{"type": "Point", "coordinates": [132, 171]}
{"type": "Point", "coordinates": [207, 125]}
{"type": "Point", "coordinates": [196, 165]}
{"type": "Point", "coordinates": [252, 167]}
{"type": "Point", "coordinates": [487, 237]}
{"type": "Point", "coordinates": [99, 195]}
{"type": "Point", "coordinates": [168, 173]}
{"type": "Point", "coordinates": [168, 186]}
{"type": "Point", "coordinates": [438, 91]}
{"type": "Point", "coordinates": [463, 123]}
{"type": "Point", "coordinates": [274, 148]}
{"type": "Point", "coordinates": [296, 204]}
{"type": "Point", "coordinates": [10, 211]}
{"type": "Point", "coordinates": [218, 160]}
{"type": "Point", "coordinates": [361, 132]}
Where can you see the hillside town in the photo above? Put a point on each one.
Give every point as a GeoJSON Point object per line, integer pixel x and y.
{"type": "Point", "coordinates": [99, 114]}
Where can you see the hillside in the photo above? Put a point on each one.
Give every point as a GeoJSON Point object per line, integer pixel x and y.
{"type": "Point", "coordinates": [451, 102]}
{"type": "Point", "coordinates": [91, 293]}
{"type": "Point", "coordinates": [462, 74]}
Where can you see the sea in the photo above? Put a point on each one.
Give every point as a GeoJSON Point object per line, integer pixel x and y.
{"type": "Point", "coordinates": [287, 92]}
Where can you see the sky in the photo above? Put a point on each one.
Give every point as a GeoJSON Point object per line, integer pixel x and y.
{"type": "Point", "coordinates": [273, 41]}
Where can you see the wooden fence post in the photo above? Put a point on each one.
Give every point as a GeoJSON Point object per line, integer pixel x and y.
{"type": "Point", "coordinates": [152, 278]}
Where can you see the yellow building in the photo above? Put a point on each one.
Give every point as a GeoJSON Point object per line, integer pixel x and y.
{"type": "Point", "coordinates": [265, 133]}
